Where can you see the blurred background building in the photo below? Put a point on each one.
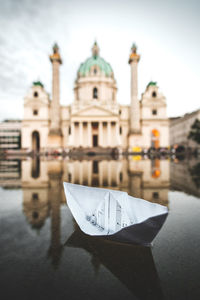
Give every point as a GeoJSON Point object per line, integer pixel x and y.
{"type": "Point", "coordinates": [10, 135]}
{"type": "Point", "coordinates": [180, 128]}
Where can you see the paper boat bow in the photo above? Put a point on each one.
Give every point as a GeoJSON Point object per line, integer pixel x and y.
{"type": "Point", "coordinates": [115, 214]}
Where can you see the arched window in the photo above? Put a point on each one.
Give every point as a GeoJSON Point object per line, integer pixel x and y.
{"type": "Point", "coordinates": [154, 94]}
{"type": "Point", "coordinates": [95, 93]}
{"type": "Point", "coordinates": [35, 94]}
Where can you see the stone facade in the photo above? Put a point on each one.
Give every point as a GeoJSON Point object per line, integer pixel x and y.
{"type": "Point", "coordinates": [95, 118]}
{"type": "Point", "coordinates": [180, 128]}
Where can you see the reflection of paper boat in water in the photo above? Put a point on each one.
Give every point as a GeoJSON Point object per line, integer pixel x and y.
{"type": "Point", "coordinates": [114, 214]}
{"type": "Point", "coordinates": [132, 265]}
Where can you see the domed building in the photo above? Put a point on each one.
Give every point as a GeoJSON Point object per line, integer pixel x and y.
{"type": "Point", "coordinates": [94, 120]}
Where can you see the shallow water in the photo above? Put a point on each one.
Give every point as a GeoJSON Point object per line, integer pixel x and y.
{"type": "Point", "coordinates": [44, 255]}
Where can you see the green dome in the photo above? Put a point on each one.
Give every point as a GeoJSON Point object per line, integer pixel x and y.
{"type": "Point", "coordinates": [152, 83]}
{"type": "Point", "coordinates": [38, 83]}
{"type": "Point", "coordinates": [95, 60]}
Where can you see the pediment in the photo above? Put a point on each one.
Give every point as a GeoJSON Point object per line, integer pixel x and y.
{"type": "Point", "coordinates": [38, 102]}
{"type": "Point", "coordinates": [153, 102]}
{"type": "Point", "coordinates": [94, 111]}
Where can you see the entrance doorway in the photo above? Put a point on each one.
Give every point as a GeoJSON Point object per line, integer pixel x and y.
{"type": "Point", "coordinates": [95, 140]}
{"type": "Point", "coordinates": [35, 141]}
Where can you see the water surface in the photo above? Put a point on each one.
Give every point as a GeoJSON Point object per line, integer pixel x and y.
{"type": "Point", "coordinates": [44, 255]}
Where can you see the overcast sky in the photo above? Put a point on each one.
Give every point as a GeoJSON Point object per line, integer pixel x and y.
{"type": "Point", "coordinates": [166, 32]}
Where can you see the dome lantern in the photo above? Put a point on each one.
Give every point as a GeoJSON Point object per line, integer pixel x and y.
{"type": "Point", "coordinates": [95, 50]}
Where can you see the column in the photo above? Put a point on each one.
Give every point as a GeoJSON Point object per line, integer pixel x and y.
{"type": "Point", "coordinates": [109, 134]}
{"type": "Point", "coordinates": [117, 141]}
{"type": "Point", "coordinates": [89, 129]}
{"type": "Point", "coordinates": [81, 133]}
{"type": "Point", "coordinates": [135, 106]}
{"type": "Point", "coordinates": [72, 134]}
{"type": "Point", "coordinates": [55, 105]}
{"type": "Point", "coordinates": [100, 134]}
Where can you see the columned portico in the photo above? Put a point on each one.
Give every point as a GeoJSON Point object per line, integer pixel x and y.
{"type": "Point", "coordinates": [94, 133]}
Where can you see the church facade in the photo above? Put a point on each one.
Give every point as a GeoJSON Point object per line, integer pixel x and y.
{"type": "Point", "coordinates": [94, 119]}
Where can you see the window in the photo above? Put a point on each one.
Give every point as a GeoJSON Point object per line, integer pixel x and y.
{"type": "Point", "coordinates": [35, 215]}
{"type": "Point", "coordinates": [155, 195]}
{"type": "Point", "coordinates": [154, 112]}
{"type": "Point", "coordinates": [120, 130]}
{"type": "Point", "coordinates": [69, 131]}
{"type": "Point", "coordinates": [35, 196]}
{"type": "Point", "coordinates": [95, 71]}
{"type": "Point", "coordinates": [35, 112]}
{"type": "Point", "coordinates": [69, 177]}
{"type": "Point", "coordinates": [120, 176]}
{"type": "Point", "coordinates": [35, 94]}
{"type": "Point", "coordinates": [94, 125]}
{"type": "Point", "coordinates": [95, 93]}
{"type": "Point", "coordinates": [154, 94]}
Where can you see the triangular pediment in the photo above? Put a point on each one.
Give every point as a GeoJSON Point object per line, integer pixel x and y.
{"type": "Point", "coordinates": [153, 102]}
{"type": "Point", "coordinates": [38, 102]}
{"type": "Point", "coordinates": [94, 110]}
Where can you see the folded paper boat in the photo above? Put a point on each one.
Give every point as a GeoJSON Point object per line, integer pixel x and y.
{"type": "Point", "coordinates": [114, 214]}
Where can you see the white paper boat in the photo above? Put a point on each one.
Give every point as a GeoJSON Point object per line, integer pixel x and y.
{"type": "Point", "coordinates": [114, 214]}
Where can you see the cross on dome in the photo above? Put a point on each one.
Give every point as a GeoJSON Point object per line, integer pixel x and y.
{"type": "Point", "coordinates": [95, 50]}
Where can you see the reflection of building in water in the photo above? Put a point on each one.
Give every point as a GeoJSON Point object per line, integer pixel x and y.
{"type": "Point", "coordinates": [10, 173]}
{"type": "Point", "coordinates": [149, 179]}
{"type": "Point", "coordinates": [185, 176]}
{"type": "Point", "coordinates": [43, 190]}
{"type": "Point", "coordinates": [104, 173]}
{"type": "Point", "coordinates": [55, 195]}
{"type": "Point", "coordinates": [35, 192]}
{"type": "Point", "coordinates": [42, 182]}
{"type": "Point", "coordinates": [42, 197]}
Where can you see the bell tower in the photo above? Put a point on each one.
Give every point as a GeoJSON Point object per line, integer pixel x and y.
{"type": "Point", "coordinates": [55, 133]}
{"type": "Point", "coordinates": [135, 106]}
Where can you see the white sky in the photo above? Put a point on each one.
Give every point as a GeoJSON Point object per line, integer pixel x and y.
{"type": "Point", "coordinates": [166, 32]}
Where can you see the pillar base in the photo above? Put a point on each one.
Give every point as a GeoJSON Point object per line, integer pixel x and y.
{"type": "Point", "coordinates": [135, 142]}
{"type": "Point", "coordinates": [55, 132]}
{"type": "Point", "coordinates": [135, 131]}
{"type": "Point", "coordinates": [54, 140]}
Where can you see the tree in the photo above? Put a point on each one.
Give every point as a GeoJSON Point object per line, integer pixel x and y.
{"type": "Point", "coordinates": [194, 133]}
